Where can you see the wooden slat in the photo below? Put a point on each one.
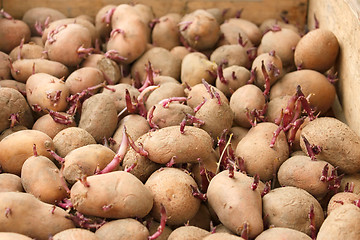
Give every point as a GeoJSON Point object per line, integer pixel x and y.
{"type": "Point", "coordinates": [255, 10]}
{"type": "Point", "coordinates": [342, 18]}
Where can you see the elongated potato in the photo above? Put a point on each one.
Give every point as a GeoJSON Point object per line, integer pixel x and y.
{"type": "Point", "coordinates": [235, 203]}
{"type": "Point", "coordinates": [25, 214]}
{"type": "Point", "coordinates": [124, 196]}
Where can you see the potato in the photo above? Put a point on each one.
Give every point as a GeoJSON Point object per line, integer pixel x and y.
{"type": "Point", "coordinates": [123, 229]}
{"type": "Point", "coordinates": [71, 138]}
{"type": "Point", "coordinates": [99, 116]}
{"type": "Point", "coordinates": [136, 126]}
{"type": "Point", "coordinates": [246, 98]}
{"type": "Point", "coordinates": [222, 236]}
{"type": "Point", "coordinates": [321, 91]}
{"type": "Point", "coordinates": [231, 33]}
{"type": "Point", "coordinates": [238, 133]}
{"type": "Point", "coordinates": [317, 50]}
{"type": "Point", "coordinates": [304, 173]}
{"type": "Point", "coordinates": [154, 227]}
{"type": "Point", "coordinates": [180, 52]}
{"type": "Point", "coordinates": [12, 31]}
{"type": "Point", "coordinates": [235, 203]}
{"type": "Point", "coordinates": [25, 214]}
{"type": "Point", "coordinates": [162, 62]}
{"type": "Point", "coordinates": [10, 183]}
{"type": "Point", "coordinates": [24, 68]}
{"type": "Point", "coordinates": [273, 67]}
{"type": "Point", "coordinates": [13, 155]}
{"type": "Point", "coordinates": [75, 233]}
{"type": "Point", "coordinates": [259, 157]}
{"type": "Point", "coordinates": [339, 144]}
{"type": "Point", "coordinates": [102, 23]}
{"type": "Point", "coordinates": [123, 196]}
{"type": "Point", "coordinates": [73, 36]}
{"type": "Point", "coordinates": [120, 94]}
{"type": "Point", "coordinates": [200, 30]}
{"type": "Point", "coordinates": [351, 179]}
{"type": "Point", "coordinates": [166, 31]}
{"type": "Point", "coordinates": [48, 125]}
{"type": "Point", "coordinates": [283, 42]}
{"type": "Point", "coordinates": [235, 77]}
{"type": "Point", "coordinates": [5, 72]}
{"type": "Point", "coordinates": [161, 148]}
{"type": "Point", "coordinates": [249, 28]}
{"type": "Point", "coordinates": [230, 55]}
{"type": "Point", "coordinates": [13, 236]}
{"type": "Point", "coordinates": [279, 233]}
{"type": "Point", "coordinates": [198, 92]}
{"type": "Point", "coordinates": [289, 207]}
{"type": "Point", "coordinates": [341, 224]}
{"type": "Point", "coordinates": [158, 80]}
{"type": "Point", "coordinates": [171, 187]}
{"type": "Point", "coordinates": [202, 219]}
{"type": "Point", "coordinates": [27, 51]}
{"type": "Point", "coordinates": [166, 90]}
{"type": "Point", "coordinates": [84, 78]}
{"type": "Point", "coordinates": [189, 233]}
{"type": "Point", "coordinates": [12, 103]}
{"type": "Point", "coordinates": [268, 24]}
{"type": "Point", "coordinates": [37, 41]}
{"type": "Point", "coordinates": [41, 178]}
{"type": "Point", "coordinates": [9, 131]}
{"type": "Point", "coordinates": [84, 161]}
{"type": "Point", "coordinates": [41, 15]}
{"type": "Point", "coordinates": [340, 199]}
{"type": "Point", "coordinates": [195, 67]}
{"type": "Point", "coordinates": [275, 106]}
{"type": "Point", "coordinates": [14, 84]}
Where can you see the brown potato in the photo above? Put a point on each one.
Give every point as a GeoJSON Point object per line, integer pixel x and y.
{"type": "Point", "coordinates": [202, 219]}
{"type": "Point", "coordinates": [230, 55]}
{"type": "Point", "coordinates": [275, 106]}
{"type": "Point", "coordinates": [9, 131]}
{"type": "Point", "coordinates": [48, 125]}
{"type": "Point", "coordinates": [235, 77]}
{"type": "Point", "coordinates": [340, 199]}
{"type": "Point", "coordinates": [189, 233]}
{"type": "Point", "coordinates": [171, 187]}
{"type": "Point", "coordinates": [198, 92]}
{"type": "Point", "coordinates": [249, 28]}
{"type": "Point", "coordinates": [166, 31]}
{"type": "Point", "coordinates": [279, 233]}
{"type": "Point", "coordinates": [231, 33]}
{"type": "Point", "coordinates": [13, 236]}
{"type": "Point", "coordinates": [12, 31]}
{"type": "Point", "coordinates": [123, 229]}
{"type": "Point", "coordinates": [120, 93]}
{"type": "Point", "coordinates": [5, 72]}
{"type": "Point", "coordinates": [28, 51]}
{"type": "Point", "coordinates": [350, 179]}
{"type": "Point", "coordinates": [154, 227]}
{"type": "Point", "coordinates": [10, 183]}
{"type": "Point", "coordinates": [124, 196]}
{"type": "Point", "coordinates": [180, 52]}
{"type": "Point", "coordinates": [102, 24]}
{"type": "Point", "coordinates": [84, 78]}
{"type": "Point", "coordinates": [14, 84]}
{"type": "Point", "coordinates": [166, 90]}
{"type": "Point", "coordinates": [222, 236]}
{"type": "Point", "coordinates": [75, 233]}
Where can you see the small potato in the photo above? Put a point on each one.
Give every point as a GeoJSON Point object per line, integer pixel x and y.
{"type": "Point", "coordinates": [116, 194]}
{"type": "Point", "coordinates": [180, 146]}
{"type": "Point", "coordinates": [249, 28]}
{"type": "Point", "coordinates": [84, 78]}
{"type": "Point", "coordinates": [275, 106]}
{"type": "Point", "coordinates": [13, 155]}
{"type": "Point", "coordinates": [351, 179]}
{"type": "Point", "coordinates": [217, 14]}
{"type": "Point", "coordinates": [198, 92]}
{"type": "Point", "coordinates": [232, 34]}
{"type": "Point", "coordinates": [12, 104]}
{"type": "Point", "coordinates": [341, 224]}
{"type": "Point", "coordinates": [75, 233]}
{"type": "Point", "coordinates": [179, 52]}
{"type": "Point", "coordinates": [202, 219]}
{"type": "Point", "coordinates": [166, 31]}
{"type": "Point", "coordinates": [235, 203]}
{"type": "Point", "coordinates": [37, 41]}
{"type": "Point", "coordinates": [24, 68]}
{"type": "Point", "coordinates": [9, 131]}
{"type": "Point", "coordinates": [14, 84]}
{"type": "Point", "coordinates": [246, 99]}
{"type": "Point", "coordinates": [200, 30]}
{"type": "Point", "coordinates": [304, 173]}
{"type": "Point", "coordinates": [280, 233]}
{"type": "Point", "coordinates": [120, 93]}
{"type": "Point", "coordinates": [41, 178]}
{"type": "Point", "coordinates": [195, 66]}
{"type": "Point", "coordinates": [47, 91]}
{"type": "Point", "coordinates": [222, 236]}
{"type": "Point", "coordinates": [317, 50]}
{"type": "Point", "coordinates": [340, 199]}
{"type": "Point", "coordinates": [10, 183]}
{"type": "Point", "coordinates": [102, 22]}
{"type": "Point", "coordinates": [27, 51]}
{"type": "Point", "coordinates": [289, 207]}
{"type": "Point", "coordinates": [25, 214]}
{"type": "Point", "coordinates": [259, 157]}
{"type": "Point", "coordinates": [123, 229]}
{"type": "Point", "coordinates": [12, 31]}
{"type": "Point", "coordinates": [189, 233]}
{"type": "Point", "coordinates": [166, 90]}
{"type": "Point", "coordinates": [269, 24]}
{"type": "Point", "coordinates": [339, 144]}
{"type": "Point", "coordinates": [13, 236]}
{"type": "Point", "coordinates": [162, 61]}
{"type": "Point", "coordinates": [235, 77]}
{"type": "Point", "coordinates": [99, 116]}
{"type": "Point", "coordinates": [48, 125]}
{"type": "Point", "coordinates": [171, 187]}
{"type": "Point", "coordinates": [71, 138]}
{"type": "Point", "coordinates": [5, 72]}
{"type": "Point", "coordinates": [84, 161]}
{"type": "Point", "coordinates": [230, 55]}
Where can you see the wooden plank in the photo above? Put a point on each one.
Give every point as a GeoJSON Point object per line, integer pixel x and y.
{"type": "Point", "coordinates": [254, 10]}
{"type": "Point", "coordinates": [342, 18]}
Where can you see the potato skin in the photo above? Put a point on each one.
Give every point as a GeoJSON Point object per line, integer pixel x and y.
{"type": "Point", "coordinates": [99, 116]}
{"type": "Point", "coordinates": [235, 203]}
{"type": "Point", "coordinates": [340, 199]}
{"type": "Point", "coordinates": [10, 183]}
{"type": "Point", "coordinates": [165, 33]}
{"type": "Point", "coordinates": [124, 196]}
{"type": "Point", "coordinates": [75, 233]}
{"type": "Point", "coordinates": [46, 124]}
{"type": "Point", "coordinates": [340, 145]}
{"type": "Point", "coordinates": [27, 216]}
{"type": "Point", "coordinates": [123, 229]}
{"type": "Point", "coordinates": [11, 33]}
{"type": "Point", "coordinates": [289, 207]}
{"type": "Point", "coordinates": [84, 78]}
{"type": "Point", "coordinates": [171, 188]}
{"type": "Point", "coordinates": [279, 233]}
{"type": "Point", "coordinates": [222, 236]}
{"type": "Point", "coordinates": [189, 233]}
{"type": "Point", "coordinates": [13, 102]}
{"type": "Point", "coordinates": [12, 158]}
{"type": "Point", "coordinates": [341, 224]}
{"type": "Point", "coordinates": [161, 148]}
{"type": "Point", "coordinates": [13, 236]}
{"type": "Point", "coordinates": [120, 94]}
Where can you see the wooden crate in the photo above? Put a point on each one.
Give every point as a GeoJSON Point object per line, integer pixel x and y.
{"type": "Point", "coordinates": [339, 16]}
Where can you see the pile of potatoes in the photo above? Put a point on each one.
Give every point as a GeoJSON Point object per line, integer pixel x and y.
{"type": "Point", "coordinates": [202, 126]}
